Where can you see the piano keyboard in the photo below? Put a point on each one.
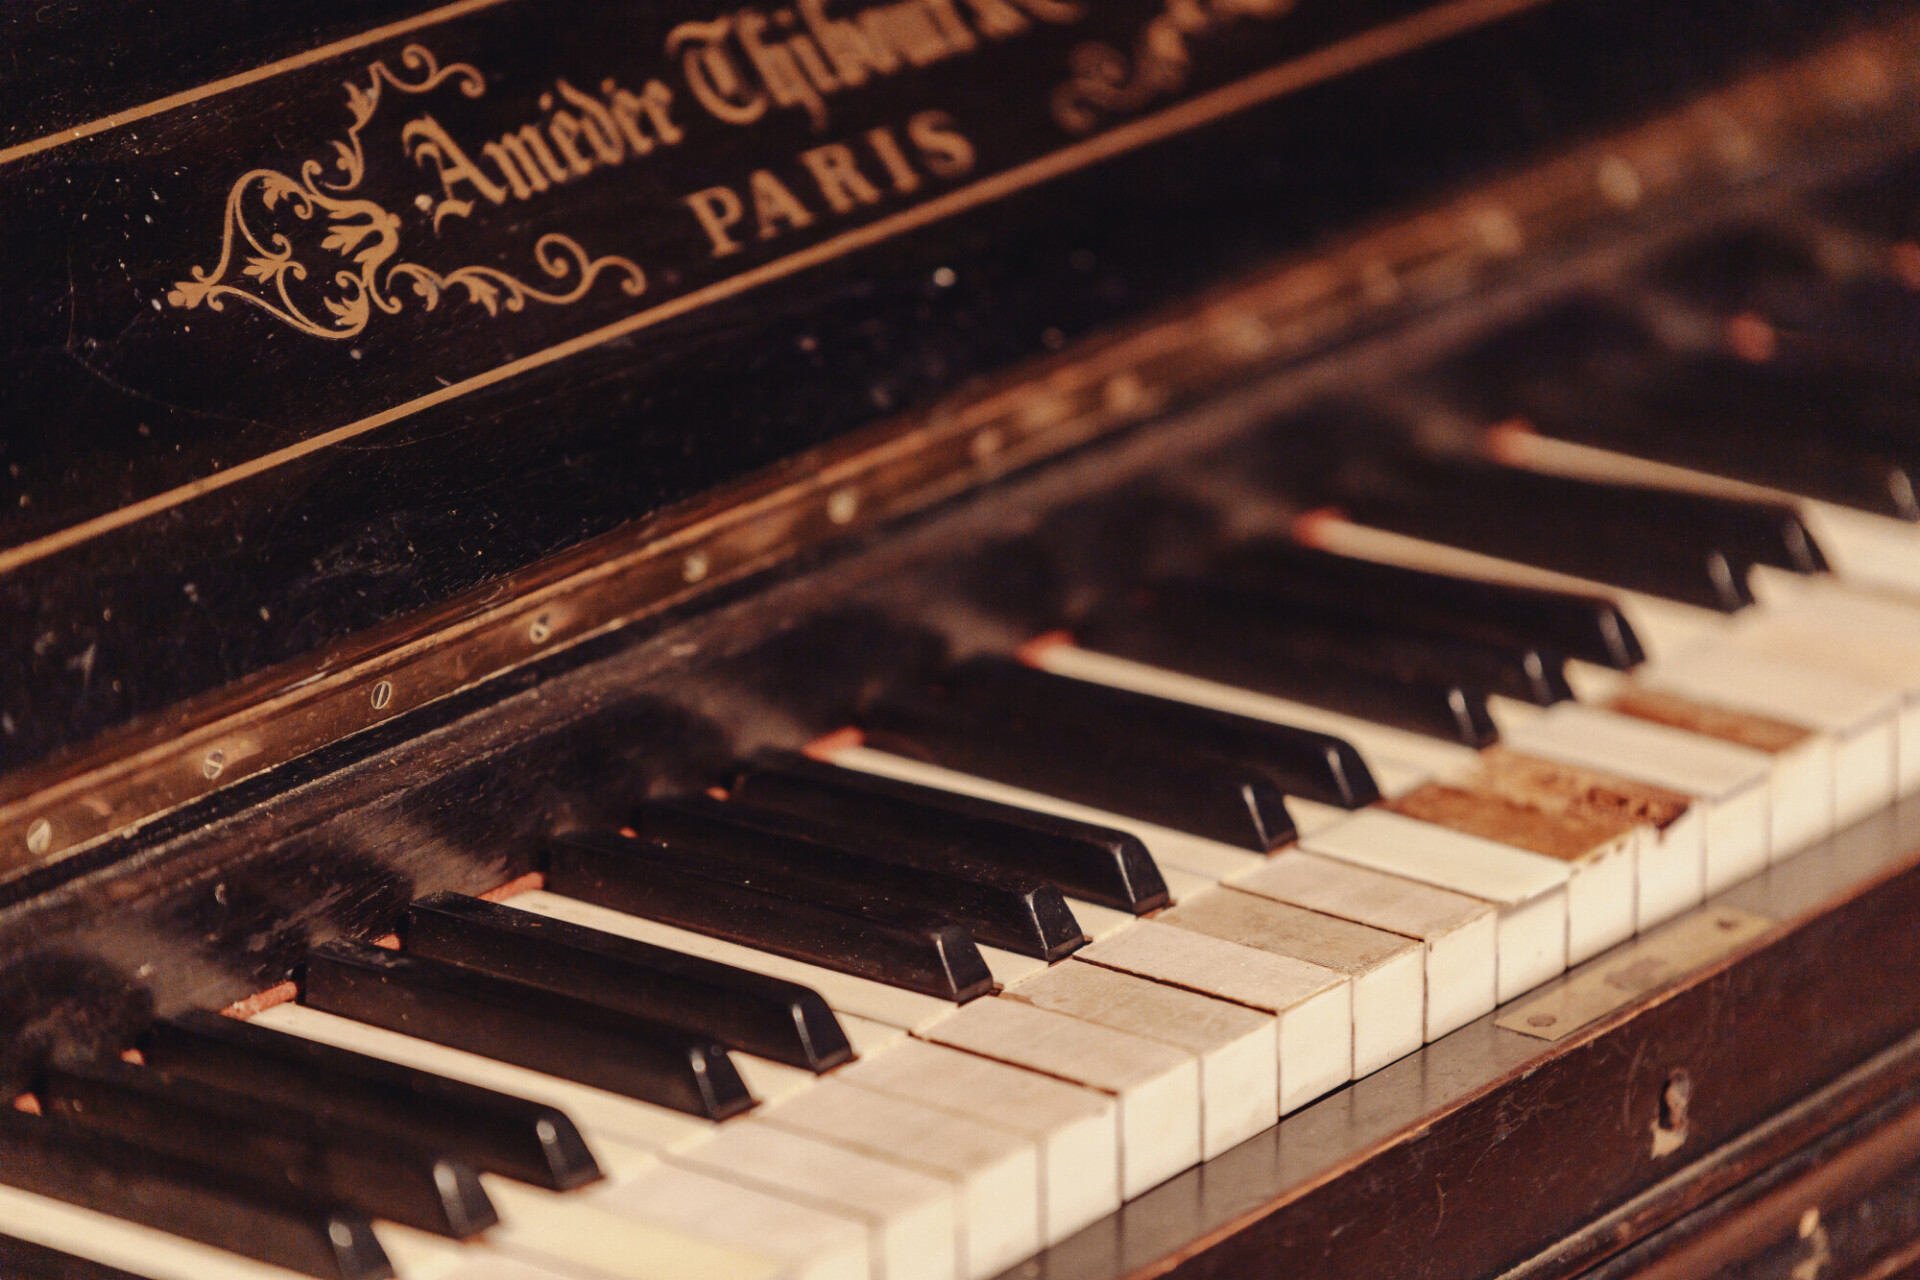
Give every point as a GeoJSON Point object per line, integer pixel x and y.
{"type": "Point", "coordinates": [1009, 951]}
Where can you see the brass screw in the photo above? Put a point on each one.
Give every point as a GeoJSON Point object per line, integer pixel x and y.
{"type": "Point", "coordinates": [540, 630]}
{"type": "Point", "coordinates": [211, 766]}
{"type": "Point", "coordinates": [842, 505]}
{"type": "Point", "coordinates": [382, 695]}
{"type": "Point", "coordinates": [696, 566]}
{"type": "Point", "coordinates": [39, 836]}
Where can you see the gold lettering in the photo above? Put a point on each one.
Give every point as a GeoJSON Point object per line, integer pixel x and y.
{"type": "Point", "coordinates": [997, 18]}
{"type": "Point", "coordinates": [651, 102]}
{"type": "Point", "coordinates": [840, 181]}
{"type": "Point", "coordinates": [595, 123]}
{"type": "Point", "coordinates": [907, 30]}
{"type": "Point", "coordinates": [847, 45]}
{"type": "Point", "coordinates": [953, 27]}
{"type": "Point", "coordinates": [893, 160]}
{"type": "Point", "coordinates": [777, 68]}
{"type": "Point", "coordinates": [807, 54]}
{"type": "Point", "coordinates": [424, 139]}
{"type": "Point", "coordinates": [526, 161]}
{"type": "Point", "coordinates": [564, 129]}
{"type": "Point", "coordinates": [716, 83]}
{"type": "Point", "coordinates": [718, 210]}
{"type": "Point", "coordinates": [942, 149]}
{"type": "Point", "coordinates": [773, 202]}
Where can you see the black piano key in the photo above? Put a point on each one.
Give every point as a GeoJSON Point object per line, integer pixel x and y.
{"type": "Point", "coordinates": [1658, 542]}
{"type": "Point", "coordinates": [747, 1011]}
{"type": "Point", "coordinates": [1102, 865]}
{"type": "Point", "coordinates": [916, 950]}
{"type": "Point", "coordinates": [1598, 377]}
{"type": "Point", "coordinates": [527, 1026]}
{"type": "Point", "coordinates": [24, 1260]}
{"type": "Point", "coordinates": [1367, 672]}
{"type": "Point", "coordinates": [62, 1161]}
{"type": "Point", "coordinates": [1289, 574]}
{"type": "Point", "coordinates": [1220, 799]}
{"type": "Point", "coordinates": [527, 1141]}
{"type": "Point", "coordinates": [1302, 762]}
{"type": "Point", "coordinates": [1016, 910]}
{"type": "Point", "coordinates": [1266, 630]}
{"type": "Point", "coordinates": [1187, 767]}
{"type": "Point", "coordinates": [1687, 546]}
{"type": "Point", "coordinates": [275, 1145]}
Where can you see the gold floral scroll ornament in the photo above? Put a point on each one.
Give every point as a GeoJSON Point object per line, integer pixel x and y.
{"type": "Point", "coordinates": [367, 236]}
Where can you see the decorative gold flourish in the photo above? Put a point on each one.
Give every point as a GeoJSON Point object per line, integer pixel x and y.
{"type": "Point", "coordinates": [1104, 80]}
{"type": "Point", "coordinates": [366, 236]}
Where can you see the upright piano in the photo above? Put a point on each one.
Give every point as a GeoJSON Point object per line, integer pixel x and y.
{"type": "Point", "coordinates": [950, 639]}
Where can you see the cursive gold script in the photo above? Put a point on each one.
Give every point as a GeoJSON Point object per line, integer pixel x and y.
{"type": "Point", "coordinates": [365, 236]}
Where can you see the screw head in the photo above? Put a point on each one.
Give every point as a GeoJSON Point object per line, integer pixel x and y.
{"type": "Point", "coordinates": [382, 694]}
{"type": "Point", "coordinates": [696, 566]}
{"type": "Point", "coordinates": [540, 630]}
{"type": "Point", "coordinates": [842, 505]}
{"type": "Point", "coordinates": [39, 836]}
{"type": "Point", "coordinates": [211, 766]}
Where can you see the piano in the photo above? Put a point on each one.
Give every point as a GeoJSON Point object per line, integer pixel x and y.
{"type": "Point", "coordinates": [960, 639]}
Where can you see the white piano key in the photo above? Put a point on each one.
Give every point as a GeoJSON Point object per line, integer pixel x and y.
{"type": "Point", "coordinates": [1872, 550]}
{"type": "Point", "coordinates": [1861, 718]}
{"type": "Point", "coordinates": [1075, 1129]}
{"type": "Point", "coordinates": [1399, 760]}
{"type": "Point", "coordinates": [615, 1127]}
{"type": "Point", "coordinates": [1312, 1005]}
{"type": "Point", "coordinates": [1800, 768]}
{"type": "Point", "coordinates": [1832, 629]}
{"type": "Point", "coordinates": [416, 1255]}
{"type": "Point", "coordinates": [1156, 1087]}
{"type": "Point", "coordinates": [572, 1232]}
{"type": "Point", "coordinates": [1529, 890]}
{"type": "Point", "coordinates": [112, 1242]}
{"type": "Point", "coordinates": [1099, 922]}
{"type": "Point", "coordinates": [844, 992]}
{"type": "Point", "coordinates": [1457, 933]}
{"type": "Point", "coordinates": [1388, 971]}
{"type": "Point", "coordinates": [1236, 1046]}
{"type": "Point", "coordinates": [810, 1243]}
{"type": "Point", "coordinates": [1667, 832]}
{"type": "Point", "coordinates": [994, 1172]}
{"type": "Point", "coordinates": [911, 1217]}
{"type": "Point", "coordinates": [1730, 783]}
{"type": "Point", "coordinates": [1210, 860]}
{"type": "Point", "coordinates": [1601, 856]}
{"type": "Point", "coordinates": [1009, 966]}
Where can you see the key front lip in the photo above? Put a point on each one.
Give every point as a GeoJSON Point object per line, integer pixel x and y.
{"type": "Point", "coordinates": [1102, 865]}
{"type": "Point", "coordinates": [278, 1145]}
{"type": "Point", "coordinates": [750, 1012]}
{"type": "Point", "coordinates": [524, 1024]}
{"type": "Point", "coordinates": [912, 950]}
{"type": "Point", "coordinates": [527, 1141]}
